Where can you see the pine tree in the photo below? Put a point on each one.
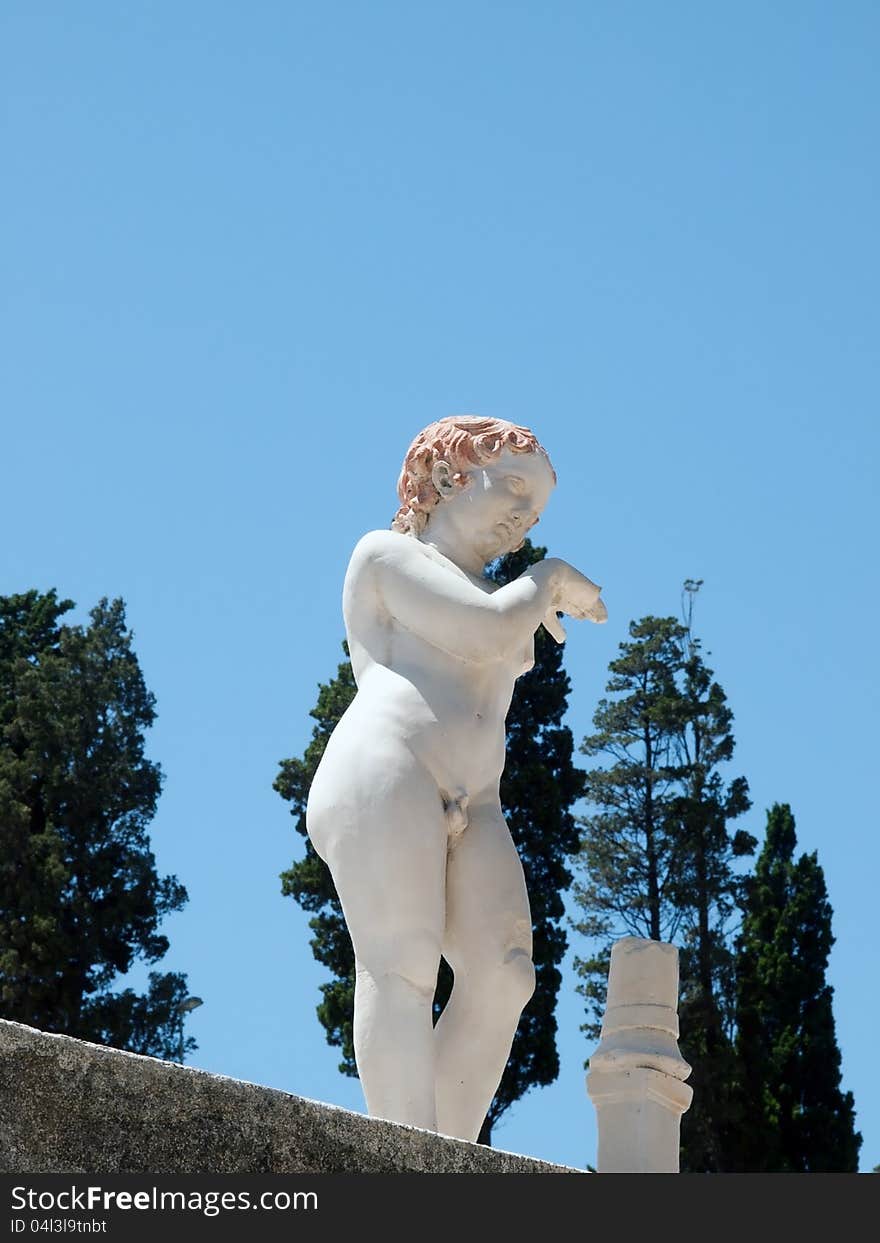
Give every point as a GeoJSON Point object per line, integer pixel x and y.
{"type": "Point", "coordinates": [539, 785]}
{"type": "Point", "coordinates": [628, 855]}
{"type": "Point", "coordinates": [708, 890]}
{"type": "Point", "coordinates": [657, 858]}
{"type": "Point", "coordinates": [80, 899]}
{"type": "Point", "coordinates": [795, 1118]}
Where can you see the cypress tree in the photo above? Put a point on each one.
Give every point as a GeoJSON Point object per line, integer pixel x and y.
{"type": "Point", "coordinates": [308, 880]}
{"type": "Point", "coordinates": [80, 899]}
{"type": "Point", "coordinates": [794, 1115]}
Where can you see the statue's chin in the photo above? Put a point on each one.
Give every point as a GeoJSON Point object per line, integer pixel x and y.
{"type": "Point", "coordinates": [491, 547]}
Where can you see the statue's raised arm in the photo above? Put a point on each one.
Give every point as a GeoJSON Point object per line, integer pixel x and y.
{"type": "Point", "coordinates": [404, 807]}
{"type": "Point", "coordinates": [407, 581]}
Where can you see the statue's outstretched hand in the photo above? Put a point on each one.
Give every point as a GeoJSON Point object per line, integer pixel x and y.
{"type": "Point", "coordinates": [576, 595]}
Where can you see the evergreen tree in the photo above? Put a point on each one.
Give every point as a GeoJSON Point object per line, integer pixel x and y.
{"type": "Point", "coordinates": [795, 1118]}
{"type": "Point", "coordinates": [308, 880]}
{"type": "Point", "coordinates": [80, 899]}
{"type": "Point", "coordinates": [709, 890]}
{"type": "Point", "coordinates": [628, 856]}
{"type": "Point", "coordinates": [657, 858]}
{"type": "Point", "coordinates": [539, 785]}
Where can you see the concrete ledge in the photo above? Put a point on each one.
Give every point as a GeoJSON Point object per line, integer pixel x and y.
{"type": "Point", "coordinates": [67, 1106]}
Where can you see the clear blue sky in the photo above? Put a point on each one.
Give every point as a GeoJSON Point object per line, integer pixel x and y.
{"type": "Point", "coordinates": [250, 250]}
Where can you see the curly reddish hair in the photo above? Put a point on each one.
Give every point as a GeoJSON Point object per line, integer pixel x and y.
{"type": "Point", "coordinates": [464, 441]}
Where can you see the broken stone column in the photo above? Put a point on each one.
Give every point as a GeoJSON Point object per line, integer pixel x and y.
{"type": "Point", "coordinates": [636, 1074]}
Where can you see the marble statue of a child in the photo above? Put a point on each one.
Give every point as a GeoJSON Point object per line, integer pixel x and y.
{"type": "Point", "coordinates": [404, 807]}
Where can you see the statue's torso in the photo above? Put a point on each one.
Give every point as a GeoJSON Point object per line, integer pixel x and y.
{"type": "Point", "coordinates": [447, 710]}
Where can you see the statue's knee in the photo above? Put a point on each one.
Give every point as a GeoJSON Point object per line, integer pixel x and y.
{"type": "Point", "coordinates": [411, 959]}
{"type": "Point", "coordinates": [518, 973]}
{"type": "Point", "coordinates": [507, 983]}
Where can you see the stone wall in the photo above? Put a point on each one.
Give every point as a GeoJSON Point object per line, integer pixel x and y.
{"type": "Point", "coordinates": [67, 1106]}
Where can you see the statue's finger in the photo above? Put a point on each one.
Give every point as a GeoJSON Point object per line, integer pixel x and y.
{"type": "Point", "coordinates": [554, 626]}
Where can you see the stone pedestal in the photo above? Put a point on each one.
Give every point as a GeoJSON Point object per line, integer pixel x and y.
{"type": "Point", "coordinates": [636, 1074]}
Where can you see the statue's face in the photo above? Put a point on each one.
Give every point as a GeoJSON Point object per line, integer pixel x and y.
{"type": "Point", "coordinates": [503, 500]}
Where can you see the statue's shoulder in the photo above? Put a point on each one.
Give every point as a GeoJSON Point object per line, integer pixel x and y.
{"type": "Point", "coordinates": [384, 545]}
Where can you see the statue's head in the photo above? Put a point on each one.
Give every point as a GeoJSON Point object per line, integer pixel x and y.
{"type": "Point", "coordinates": [442, 460]}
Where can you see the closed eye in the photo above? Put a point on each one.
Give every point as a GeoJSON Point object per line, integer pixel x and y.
{"type": "Point", "coordinates": [516, 483]}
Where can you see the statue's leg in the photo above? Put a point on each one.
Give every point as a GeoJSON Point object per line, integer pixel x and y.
{"type": "Point", "coordinates": [385, 843]}
{"type": "Point", "coordinates": [488, 944]}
